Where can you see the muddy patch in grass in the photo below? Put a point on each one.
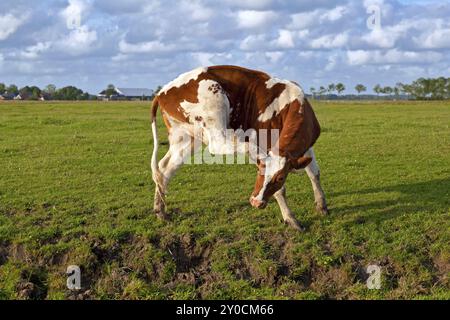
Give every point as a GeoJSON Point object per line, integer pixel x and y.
{"type": "Point", "coordinates": [33, 284]}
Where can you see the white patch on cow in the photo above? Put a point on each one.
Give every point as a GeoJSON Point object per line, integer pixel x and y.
{"type": "Point", "coordinates": [184, 78]}
{"type": "Point", "coordinates": [212, 107]}
{"type": "Point", "coordinates": [211, 113]}
{"type": "Point", "coordinates": [274, 163]}
{"type": "Point", "coordinates": [291, 93]}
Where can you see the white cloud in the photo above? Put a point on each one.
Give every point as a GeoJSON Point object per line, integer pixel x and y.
{"type": "Point", "coordinates": [32, 52]}
{"type": "Point", "coordinates": [204, 58]}
{"type": "Point", "coordinates": [197, 11]}
{"type": "Point", "coordinates": [274, 56]}
{"type": "Point", "coordinates": [332, 62]}
{"type": "Point", "coordinates": [79, 41]}
{"type": "Point", "coordinates": [333, 14]}
{"type": "Point", "coordinates": [250, 4]}
{"type": "Point", "coordinates": [306, 54]}
{"type": "Point", "coordinates": [255, 19]}
{"type": "Point", "coordinates": [9, 24]}
{"type": "Point", "coordinates": [436, 39]}
{"type": "Point", "coordinates": [81, 38]}
{"type": "Point", "coordinates": [253, 42]}
{"type": "Point", "coordinates": [285, 39]}
{"type": "Point", "coordinates": [381, 38]}
{"type": "Point", "coordinates": [144, 47]}
{"type": "Point", "coordinates": [319, 16]}
{"type": "Point", "coordinates": [119, 57]}
{"type": "Point", "coordinates": [425, 33]}
{"type": "Point", "coordinates": [302, 20]}
{"type": "Point", "coordinates": [392, 56]}
{"type": "Point", "coordinates": [369, 3]}
{"type": "Point", "coordinates": [330, 41]}
{"type": "Point", "coordinates": [73, 13]}
{"type": "Point", "coordinates": [386, 37]}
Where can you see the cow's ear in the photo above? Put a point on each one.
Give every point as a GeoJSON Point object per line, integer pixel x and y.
{"type": "Point", "coordinates": [301, 162]}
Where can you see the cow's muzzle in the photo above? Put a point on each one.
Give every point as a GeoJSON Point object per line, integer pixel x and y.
{"type": "Point", "coordinates": [259, 204]}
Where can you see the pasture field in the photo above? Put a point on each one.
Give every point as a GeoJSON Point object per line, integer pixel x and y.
{"type": "Point", "coordinates": [76, 189]}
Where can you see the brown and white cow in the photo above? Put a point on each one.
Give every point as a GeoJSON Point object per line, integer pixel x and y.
{"type": "Point", "coordinates": [229, 97]}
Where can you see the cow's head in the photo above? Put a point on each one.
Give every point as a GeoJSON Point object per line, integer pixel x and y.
{"type": "Point", "coordinates": [272, 174]}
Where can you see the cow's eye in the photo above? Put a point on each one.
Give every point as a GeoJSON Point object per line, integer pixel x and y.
{"type": "Point", "coordinates": [280, 178]}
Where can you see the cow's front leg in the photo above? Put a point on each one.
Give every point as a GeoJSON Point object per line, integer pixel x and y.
{"type": "Point", "coordinates": [313, 172]}
{"type": "Point", "coordinates": [288, 216]}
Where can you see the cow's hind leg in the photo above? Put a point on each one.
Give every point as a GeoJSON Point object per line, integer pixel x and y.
{"type": "Point", "coordinates": [159, 204]}
{"type": "Point", "coordinates": [313, 172]}
{"type": "Point", "coordinates": [288, 216]}
{"type": "Point", "coordinates": [181, 148]}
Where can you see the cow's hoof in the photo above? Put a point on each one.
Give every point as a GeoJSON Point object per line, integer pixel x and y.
{"type": "Point", "coordinates": [295, 224]}
{"type": "Point", "coordinates": [162, 215]}
{"type": "Point", "coordinates": [322, 210]}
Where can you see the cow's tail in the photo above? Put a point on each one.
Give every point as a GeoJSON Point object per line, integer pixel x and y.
{"type": "Point", "coordinates": [157, 176]}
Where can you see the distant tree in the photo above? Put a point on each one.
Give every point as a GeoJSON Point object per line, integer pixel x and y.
{"type": "Point", "coordinates": [377, 89]}
{"type": "Point", "coordinates": [84, 96]}
{"type": "Point", "coordinates": [407, 89]}
{"type": "Point", "coordinates": [13, 89]}
{"type": "Point", "coordinates": [440, 88]}
{"type": "Point", "coordinates": [340, 87]}
{"type": "Point", "coordinates": [35, 93]}
{"type": "Point", "coordinates": [50, 89]}
{"type": "Point", "coordinates": [447, 88]}
{"type": "Point", "coordinates": [69, 93]}
{"type": "Point", "coordinates": [26, 92]}
{"type": "Point", "coordinates": [387, 90]}
{"type": "Point", "coordinates": [398, 88]}
{"type": "Point", "coordinates": [429, 88]}
{"type": "Point", "coordinates": [360, 88]}
{"type": "Point", "coordinates": [322, 91]}
{"type": "Point", "coordinates": [110, 90]}
{"type": "Point", "coordinates": [2, 88]}
{"type": "Point", "coordinates": [331, 88]}
{"type": "Point", "coordinates": [313, 91]}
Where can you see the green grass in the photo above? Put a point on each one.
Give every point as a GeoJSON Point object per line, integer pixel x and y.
{"type": "Point", "coordinates": [76, 188]}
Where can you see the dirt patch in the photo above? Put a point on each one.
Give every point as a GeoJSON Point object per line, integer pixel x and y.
{"type": "Point", "coordinates": [332, 283]}
{"type": "Point", "coordinates": [4, 253]}
{"type": "Point", "coordinates": [188, 254]}
{"type": "Point", "coordinates": [33, 285]}
{"type": "Point", "coordinates": [442, 265]}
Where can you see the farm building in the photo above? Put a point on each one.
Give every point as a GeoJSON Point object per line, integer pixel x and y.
{"type": "Point", "coordinates": [127, 94]}
{"type": "Point", "coordinates": [7, 96]}
{"type": "Point", "coordinates": [22, 96]}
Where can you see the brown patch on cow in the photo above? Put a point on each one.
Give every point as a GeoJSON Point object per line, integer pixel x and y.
{"type": "Point", "coordinates": [300, 130]}
{"type": "Point", "coordinates": [300, 163]}
{"type": "Point", "coordinates": [170, 101]}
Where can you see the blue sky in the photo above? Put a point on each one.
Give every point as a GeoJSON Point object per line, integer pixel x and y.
{"type": "Point", "coordinates": [142, 43]}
